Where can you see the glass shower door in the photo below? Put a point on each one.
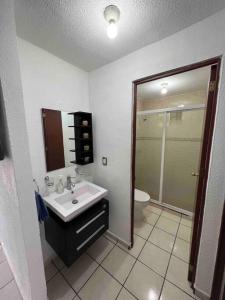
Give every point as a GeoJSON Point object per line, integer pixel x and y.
{"type": "Point", "coordinates": [183, 143]}
{"type": "Point", "coordinates": [149, 132]}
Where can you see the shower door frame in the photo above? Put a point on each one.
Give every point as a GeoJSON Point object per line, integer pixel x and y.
{"type": "Point", "coordinates": [215, 64]}
{"type": "Point", "coordinates": [165, 112]}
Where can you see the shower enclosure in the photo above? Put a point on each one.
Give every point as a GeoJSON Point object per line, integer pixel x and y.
{"type": "Point", "coordinates": [168, 149]}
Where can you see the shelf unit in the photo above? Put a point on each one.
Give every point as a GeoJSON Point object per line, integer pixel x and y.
{"type": "Point", "coordinates": [83, 138]}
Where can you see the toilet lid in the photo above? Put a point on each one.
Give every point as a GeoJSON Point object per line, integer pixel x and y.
{"type": "Point", "coordinates": [141, 196]}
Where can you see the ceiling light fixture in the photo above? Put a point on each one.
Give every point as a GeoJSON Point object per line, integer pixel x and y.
{"type": "Point", "coordinates": [164, 89]}
{"type": "Point", "coordinates": [112, 16]}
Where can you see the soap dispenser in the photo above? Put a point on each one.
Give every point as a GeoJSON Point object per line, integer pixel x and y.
{"type": "Point", "coordinates": [60, 185]}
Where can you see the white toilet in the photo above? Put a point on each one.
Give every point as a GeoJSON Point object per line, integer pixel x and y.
{"type": "Point", "coordinates": [141, 200]}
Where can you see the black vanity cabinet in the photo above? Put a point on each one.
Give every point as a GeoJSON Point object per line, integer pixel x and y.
{"type": "Point", "coordinates": [71, 239]}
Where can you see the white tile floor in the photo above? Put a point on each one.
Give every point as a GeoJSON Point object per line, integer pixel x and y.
{"type": "Point", "coordinates": [155, 268]}
{"type": "Point", "coordinates": [8, 287]}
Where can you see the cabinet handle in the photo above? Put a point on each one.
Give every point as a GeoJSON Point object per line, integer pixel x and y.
{"type": "Point", "coordinates": [89, 222]}
{"type": "Point", "coordinates": [90, 237]}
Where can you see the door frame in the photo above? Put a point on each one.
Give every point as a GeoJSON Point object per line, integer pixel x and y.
{"type": "Point", "coordinates": [220, 263]}
{"type": "Point", "coordinates": [206, 149]}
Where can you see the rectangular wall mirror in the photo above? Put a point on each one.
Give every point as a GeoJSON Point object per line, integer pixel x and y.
{"type": "Point", "coordinates": [57, 138]}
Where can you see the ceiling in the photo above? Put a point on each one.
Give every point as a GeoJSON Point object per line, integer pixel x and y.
{"type": "Point", "coordinates": [195, 80]}
{"type": "Point", "coordinates": [75, 30]}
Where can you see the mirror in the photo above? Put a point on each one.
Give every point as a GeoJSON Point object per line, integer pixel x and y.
{"type": "Point", "coordinates": [58, 139]}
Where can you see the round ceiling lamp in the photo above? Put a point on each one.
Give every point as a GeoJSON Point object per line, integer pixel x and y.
{"type": "Point", "coordinates": [112, 16]}
{"type": "Point", "coordinates": [164, 89]}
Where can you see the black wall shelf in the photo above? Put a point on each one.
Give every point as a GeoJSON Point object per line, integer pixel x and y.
{"type": "Point", "coordinates": [83, 138]}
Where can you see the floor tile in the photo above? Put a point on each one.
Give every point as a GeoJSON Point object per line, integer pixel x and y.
{"type": "Point", "coordinates": [58, 263]}
{"type": "Point", "coordinates": [137, 247]}
{"type": "Point", "coordinates": [144, 283]}
{"type": "Point", "coordinates": [162, 239]}
{"type": "Point", "coordinates": [155, 258]}
{"type": "Point", "coordinates": [154, 208]}
{"type": "Point", "coordinates": [125, 295]}
{"type": "Point", "coordinates": [2, 255]}
{"type": "Point", "coordinates": [167, 225]}
{"type": "Point", "coordinates": [58, 289]}
{"type": "Point", "coordinates": [10, 292]}
{"type": "Point", "coordinates": [119, 263]}
{"type": "Point", "coordinates": [184, 233]}
{"type": "Point", "coordinates": [6, 274]}
{"type": "Point", "coordinates": [143, 229]}
{"type": "Point", "coordinates": [100, 286]}
{"type": "Point", "coordinates": [80, 271]}
{"type": "Point", "coordinates": [182, 249]}
{"type": "Point", "coordinates": [171, 292]}
{"type": "Point", "coordinates": [100, 249]}
{"type": "Point", "coordinates": [186, 220]}
{"type": "Point", "coordinates": [172, 215]}
{"type": "Point", "coordinates": [50, 271]}
{"type": "Point", "coordinates": [150, 217]}
{"type": "Point", "coordinates": [178, 273]}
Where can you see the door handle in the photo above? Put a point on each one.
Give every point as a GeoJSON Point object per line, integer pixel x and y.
{"type": "Point", "coordinates": [195, 174]}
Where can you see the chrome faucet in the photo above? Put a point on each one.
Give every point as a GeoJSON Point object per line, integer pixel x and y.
{"type": "Point", "coordinates": [69, 183]}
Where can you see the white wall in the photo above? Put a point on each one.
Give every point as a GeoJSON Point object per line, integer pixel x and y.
{"type": "Point", "coordinates": [18, 218]}
{"type": "Point", "coordinates": [48, 82]}
{"type": "Point", "coordinates": [111, 102]}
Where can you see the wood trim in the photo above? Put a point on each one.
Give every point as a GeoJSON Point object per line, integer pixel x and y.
{"type": "Point", "coordinates": [176, 71]}
{"type": "Point", "coordinates": [220, 263]}
{"type": "Point", "coordinates": [211, 110]}
{"type": "Point", "coordinates": [204, 169]}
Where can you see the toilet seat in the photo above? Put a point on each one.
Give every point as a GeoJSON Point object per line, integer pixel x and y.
{"type": "Point", "coordinates": [141, 196]}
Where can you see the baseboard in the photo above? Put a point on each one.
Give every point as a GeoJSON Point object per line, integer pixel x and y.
{"type": "Point", "coordinates": [200, 294]}
{"type": "Point", "coordinates": [118, 239]}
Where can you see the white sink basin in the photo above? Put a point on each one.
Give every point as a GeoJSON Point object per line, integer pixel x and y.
{"type": "Point", "coordinates": [70, 204]}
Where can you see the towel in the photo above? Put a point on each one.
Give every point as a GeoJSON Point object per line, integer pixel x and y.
{"type": "Point", "coordinates": [41, 208]}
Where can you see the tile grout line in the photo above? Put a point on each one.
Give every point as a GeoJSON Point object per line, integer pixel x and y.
{"type": "Point", "coordinates": [116, 243]}
{"type": "Point", "coordinates": [169, 263]}
{"type": "Point", "coordinates": [164, 279]}
{"type": "Point", "coordinates": [7, 284]}
{"type": "Point", "coordinates": [138, 260]}
{"type": "Point", "coordinates": [99, 265]}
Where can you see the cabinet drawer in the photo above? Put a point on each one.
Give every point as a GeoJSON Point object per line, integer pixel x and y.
{"type": "Point", "coordinates": [90, 222]}
{"type": "Point", "coordinates": [78, 234]}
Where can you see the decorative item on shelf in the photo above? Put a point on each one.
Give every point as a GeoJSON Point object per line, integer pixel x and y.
{"type": "Point", "coordinates": [85, 122]}
{"type": "Point", "coordinates": [83, 138]}
{"type": "Point", "coordinates": [86, 147]}
{"type": "Point", "coordinates": [85, 135]}
{"type": "Point", "coordinates": [86, 159]}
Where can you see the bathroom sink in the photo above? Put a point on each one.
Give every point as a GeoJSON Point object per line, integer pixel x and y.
{"type": "Point", "coordinates": [71, 203]}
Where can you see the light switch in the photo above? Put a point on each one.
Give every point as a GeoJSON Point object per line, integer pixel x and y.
{"type": "Point", "coordinates": [104, 161]}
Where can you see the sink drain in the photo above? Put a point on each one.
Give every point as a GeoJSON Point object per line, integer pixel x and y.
{"type": "Point", "coordinates": [75, 201]}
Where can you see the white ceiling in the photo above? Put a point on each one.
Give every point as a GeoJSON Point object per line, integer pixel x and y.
{"type": "Point", "coordinates": [190, 81]}
{"type": "Point", "coordinates": [75, 30]}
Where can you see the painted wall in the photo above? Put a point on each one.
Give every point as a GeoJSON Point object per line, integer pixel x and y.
{"type": "Point", "coordinates": [19, 230]}
{"type": "Point", "coordinates": [111, 102]}
{"type": "Point", "coordinates": [48, 82]}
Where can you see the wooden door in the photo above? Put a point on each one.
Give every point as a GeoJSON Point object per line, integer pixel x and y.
{"type": "Point", "coordinates": [53, 138]}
